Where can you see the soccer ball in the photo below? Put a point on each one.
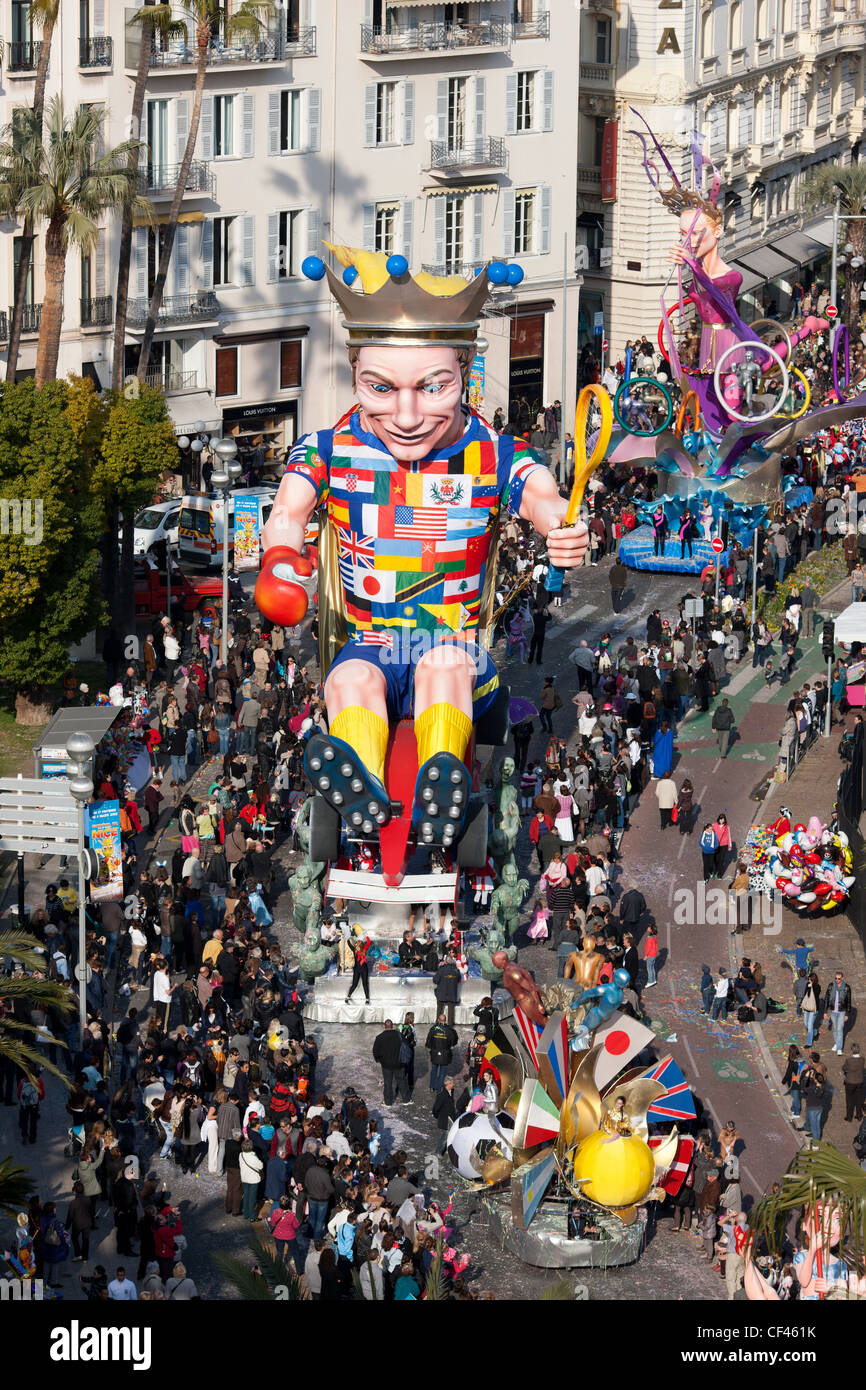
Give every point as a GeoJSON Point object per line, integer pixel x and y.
{"type": "Point", "coordinates": [472, 1138]}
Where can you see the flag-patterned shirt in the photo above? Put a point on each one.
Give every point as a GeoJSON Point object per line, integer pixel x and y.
{"type": "Point", "coordinates": [414, 538]}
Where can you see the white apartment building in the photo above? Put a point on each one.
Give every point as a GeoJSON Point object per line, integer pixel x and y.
{"type": "Point", "coordinates": [776, 87]}
{"type": "Point", "coordinates": [445, 132]}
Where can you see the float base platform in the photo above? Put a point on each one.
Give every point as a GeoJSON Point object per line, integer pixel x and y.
{"type": "Point", "coordinates": [636, 551]}
{"type": "Point", "coordinates": [391, 996]}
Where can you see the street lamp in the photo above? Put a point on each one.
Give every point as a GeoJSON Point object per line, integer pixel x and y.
{"type": "Point", "coordinates": [226, 476]}
{"type": "Point", "coordinates": [79, 751]}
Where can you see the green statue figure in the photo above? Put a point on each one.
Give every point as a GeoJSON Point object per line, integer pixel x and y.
{"type": "Point", "coordinates": [507, 900]}
{"type": "Point", "coordinates": [506, 814]}
{"type": "Point", "coordinates": [306, 898]}
{"type": "Point", "coordinates": [302, 830]}
{"type": "Point", "coordinates": [315, 955]}
{"type": "Point", "coordinates": [492, 940]}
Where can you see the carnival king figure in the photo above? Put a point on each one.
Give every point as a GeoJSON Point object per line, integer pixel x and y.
{"type": "Point", "coordinates": [411, 483]}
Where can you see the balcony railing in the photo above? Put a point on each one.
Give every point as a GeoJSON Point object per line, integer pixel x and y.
{"type": "Point", "coordinates": [418, 38]}
{"type": "Point", "coordinates": [177, 308]}
{"type": "Point", "coordinates": [4, 327]}
{"type": "Point", "coordinates": [96, 313]}
{"type": "Point", "coordinates": [538, 28]}
{"type": "Point", "coordinates": [24, 57]}
{"type": "Point", "coordinates": [269, 48]}
{"type": "Point", "coordinates": [95, 53]}
{"type": "Point", "coordinates": [588, 177]}
{"type": "Point", "coordinates": [160, 180]}
{"type": "Point", "coordinates": [491, 153]}
{"type": "Point", "coordinates": [31, 317]}
{"type": "Point", "coordinates": [596, 72]}
{"type": "Point", "coordinates": [465, 268]}
{"type": "Point", "coordinates": [169, 382]}
{"type": "Point", "coordinates": [300, 43]}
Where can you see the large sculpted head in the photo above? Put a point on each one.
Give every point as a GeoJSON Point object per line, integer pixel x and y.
{"type": "Point", "coordinates": [410, 396]}
{"type": "Point", "coordinates": [700, 233]}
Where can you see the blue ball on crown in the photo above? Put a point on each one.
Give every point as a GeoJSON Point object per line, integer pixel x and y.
{"type": "Point", "coordinates": [497, 272]}
{"type": "Point", "coordinates": [350, 275]}
{"type": "Point", "coordinates": [515, 274]}
{"type": "Point", "coordinates": [313, 267]}
{"type": "Point", "coordinates": [396, 265]}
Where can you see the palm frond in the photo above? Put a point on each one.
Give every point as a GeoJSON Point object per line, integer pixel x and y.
{"type": "Point", "coordinates": [19, 946]}
{"type": "Point", "coordinates": [435, 1288]}
{"type": "Point", "coordinates": [16, 1187]}
{"type": "Point", "coordinates": [819, 1173]}
{"type": "Point", "coordinates": [28, 1058]}
{"type": "Point", "coordinates": [254, 1287]}
{"type": "Point", "coordinates": [251, 1287]}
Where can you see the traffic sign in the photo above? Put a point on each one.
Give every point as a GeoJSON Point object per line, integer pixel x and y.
{"type": "Point", "coordinates": [831, 311]}
{"type": "Point", "coordinates": [605, 345]}
{"type": "Point", "coordinates": [718, 544]}
{"type": "Point", "coordinates": [83, 972]}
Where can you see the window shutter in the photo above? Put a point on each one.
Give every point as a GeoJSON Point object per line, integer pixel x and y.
{"type": "Point", "coordinates": [847, 86]}
{"type": "Point", "coordinates": [180, 256]}
{"type": "Point", "coordinates": [511, 103]}
{"type": "Point", "coordinates": [181, 110]}
{"type": "Point", "coordinates": [141, 263]}
{"type": "Point", "coordinates": [508, 222]}
{"type": "Point", "coordinates": [314, 118]}
{"type": "Point", "coordinates": [442, 110]}
{"type": "Point", "coordinates": [248, 124]}
{"type": "Point", "coordinates": [273, 247]}
{"type": "Point", "coordinates": [248, 250]}
{"type": "Point", "coordinates": [823, 103]}
{"type": "Point", "coordinates": [368, 226]}
{"type": "Point", "coordinates": [777, 111]}
{"type": "Point", "coordinates": [274, 100]}
{"type": "Point", "coordinates": [408, 113]}
{"type": "Point", "coordinates": [478, 227]}
{"type": "Point", "coordinates": [369, 115]}
{"type": "Point", "coordinates": [98, 17]}
{"type": "Point", "coordinates": [547, 102]}
{"type": "Point", "coordinates": [206, 130]}
{"type": "Point", "coordinates": [313, 232]}
{"type": "Point", "coordinates": [746, 120]}
{"type": "Point", "coordinates": [406, 227]}
{"type": "Point", "coordinates": [227, 371]}
{"type": "Point", "coordinates": [207, 253]}
{"type": "Point", "coordinates": [99, 265]}
{"type": "Point", "coordinates": [439, 231]}
{"type": "Point", "coordinates": [544, 221]}
{"type": "Point", "coordinates": [478, 130]}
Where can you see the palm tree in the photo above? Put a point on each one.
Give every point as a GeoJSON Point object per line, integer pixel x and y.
{"type": "Point", "coordinates": [22, 949]}
{"type": "Point", "coordinates": [257, 1284]}
{"type": "Point", "coordinates": [204, 18]}
{"type": "Point", "coordinates": [69, 186]}
{"type": "Point", "coordinates": [153, 18]}
{"type": "Point", "coordinates": [44, 14]}
{"type": "Point", "coordinates": [819, 192]}
{"type": "Point", "coordinates": [817, 1174]}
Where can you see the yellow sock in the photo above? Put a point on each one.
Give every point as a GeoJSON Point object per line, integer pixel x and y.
{"type": "Point", "coordinates": [366, 734]}
{"type": "Point", "coordinates": [442, 729]}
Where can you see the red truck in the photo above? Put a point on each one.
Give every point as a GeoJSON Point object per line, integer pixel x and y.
{"type": "Point", "coordinates": [188, 593]}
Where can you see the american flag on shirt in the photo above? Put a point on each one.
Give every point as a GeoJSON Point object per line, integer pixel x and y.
{"type": "Point", "coordinates": [428, 523]}
{"type": "Point", "coordinates": [374, 639]}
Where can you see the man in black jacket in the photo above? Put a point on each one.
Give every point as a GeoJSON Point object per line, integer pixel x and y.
{"type": "Point", "coordinates": [446, 985]}
{"type": "Point", "coordinates": [723, 723]}
{"type": "Point", "coordinates": [445, 1111]}
{"type": "Point", "coordinates": [441, 1041]}
{"type": "Point", "coordinates": [386, 1051]}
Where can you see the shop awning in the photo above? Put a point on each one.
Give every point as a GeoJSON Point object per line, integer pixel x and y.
{"type": "Point", "coordinates": [850, 624]}
{"type": "Point", "coordinates": [95, 720]}
{"type": "Point", "coordinates": [766, 262]}
{"type": "Point", "coordinates": [822, 231]}
{"type": "Point", "coordinates": [457, 190]}
{"type": "Point", "coordinates": [164, 221]}
{"type": "Point", "coordinates": [187, 410]}
{"type": "Point", "coordinates": [800, 247]}
{"type": "Point", "coordinates": [750, 278]}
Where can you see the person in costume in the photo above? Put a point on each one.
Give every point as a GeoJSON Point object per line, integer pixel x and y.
{"type": "Point", "coordinates": [412, 484]}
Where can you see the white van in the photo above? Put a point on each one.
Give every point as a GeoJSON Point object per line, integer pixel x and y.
{"type": "Point", "coordinates": [154, 524]}
{"type": "Point", "coordinates": [200, 528]}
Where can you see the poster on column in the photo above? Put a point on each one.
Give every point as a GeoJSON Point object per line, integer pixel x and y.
{"type": "Point", "coordinates": [247, 533]}
{"type": "Point", "coordinates": [103, 827]}
{"type": "Point", "coordinates": [476, 384]}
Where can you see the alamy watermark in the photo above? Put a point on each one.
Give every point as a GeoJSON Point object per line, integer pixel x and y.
{"type": "Point", "coordinates": [711, 905]}
{"type": "Point", "coordinates": [21, 1291]}
{"type": "Point", "coordinates": [22, 516]}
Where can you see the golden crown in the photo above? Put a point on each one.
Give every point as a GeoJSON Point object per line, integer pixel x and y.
{"type": "Point", "coordinates": [405, 310]}
{"type": "Point", "coordinates": [680, 200]}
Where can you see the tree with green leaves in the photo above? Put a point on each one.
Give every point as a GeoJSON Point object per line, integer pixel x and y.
{"type": "Point", "coordinates": [49, 594]}
{"type": "Point", "coordinates": [43, 13]}
{"type": "Point", "coordinates": [67, 185]}
{"type": "Point", "coordinates": [820, 188]}
{"type": "Point", "coordinates": [138, 447]}
{"type": "Point", "coordinates": [201, 19]}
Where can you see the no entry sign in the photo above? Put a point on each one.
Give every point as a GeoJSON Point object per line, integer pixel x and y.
{"type": "Point", "coordinates": [831, 311]}
{"type": "Point", "coordinates": [718, 545]}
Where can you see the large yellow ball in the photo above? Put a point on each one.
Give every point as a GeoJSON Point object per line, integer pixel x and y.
{"type": "Point", "coordinates": [619, 1168]}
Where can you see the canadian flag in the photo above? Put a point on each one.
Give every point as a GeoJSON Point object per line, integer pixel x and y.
{"type": "Point", "coordinates": [621, 1039]}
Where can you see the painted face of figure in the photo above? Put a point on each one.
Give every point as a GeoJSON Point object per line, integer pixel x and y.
{"type": "Point", "coordinates": [507, 768]}
{"type": "Point", "coordinates": [699, 234]}
{"type": "Point", "coordinates": [509, 874]}
{"type": "Point", "coordinates": [410, 398]}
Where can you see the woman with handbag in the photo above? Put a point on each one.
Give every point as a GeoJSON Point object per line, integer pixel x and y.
{"type": "Point", "coordinates": [52, 1243]}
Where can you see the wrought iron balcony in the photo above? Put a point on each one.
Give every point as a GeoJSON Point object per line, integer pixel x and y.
{"type": "Point", "coordinates": [177, 308]}
{"type": "Point", "coordinates": [268, 48]}
{"type": "Point", "coordinates": [300, 43]}
{"type": "Point", "coordinates": [169, 382]}
{"type": "Point", "coordinates": [4, 327]}
{"type": "Point", "coordinates": [428, 38]}
{"type": "Point", "coordinates": [160, 180]}
{"type": "Point", "coordinates": [24, 57]}
{"type": "Point", "coordinates": [31, 317]}
{"type": "Point", "coordinates": [538, 28]}
{"type": "Point", "coordinates": [97, 313]}
{"type": "Point", "coordinates": [95, 53]}
{"type": "Point", "coordinates": [467, 269]}
{"type": "Point", "coordinates": [491, 153]}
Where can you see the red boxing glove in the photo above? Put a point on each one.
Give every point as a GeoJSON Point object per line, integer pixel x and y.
{"type": "Point", "coordinates": [278, 595]}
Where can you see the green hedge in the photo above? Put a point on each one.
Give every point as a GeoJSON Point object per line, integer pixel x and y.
{"type": "Point", "coordinates": [824, 568]}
